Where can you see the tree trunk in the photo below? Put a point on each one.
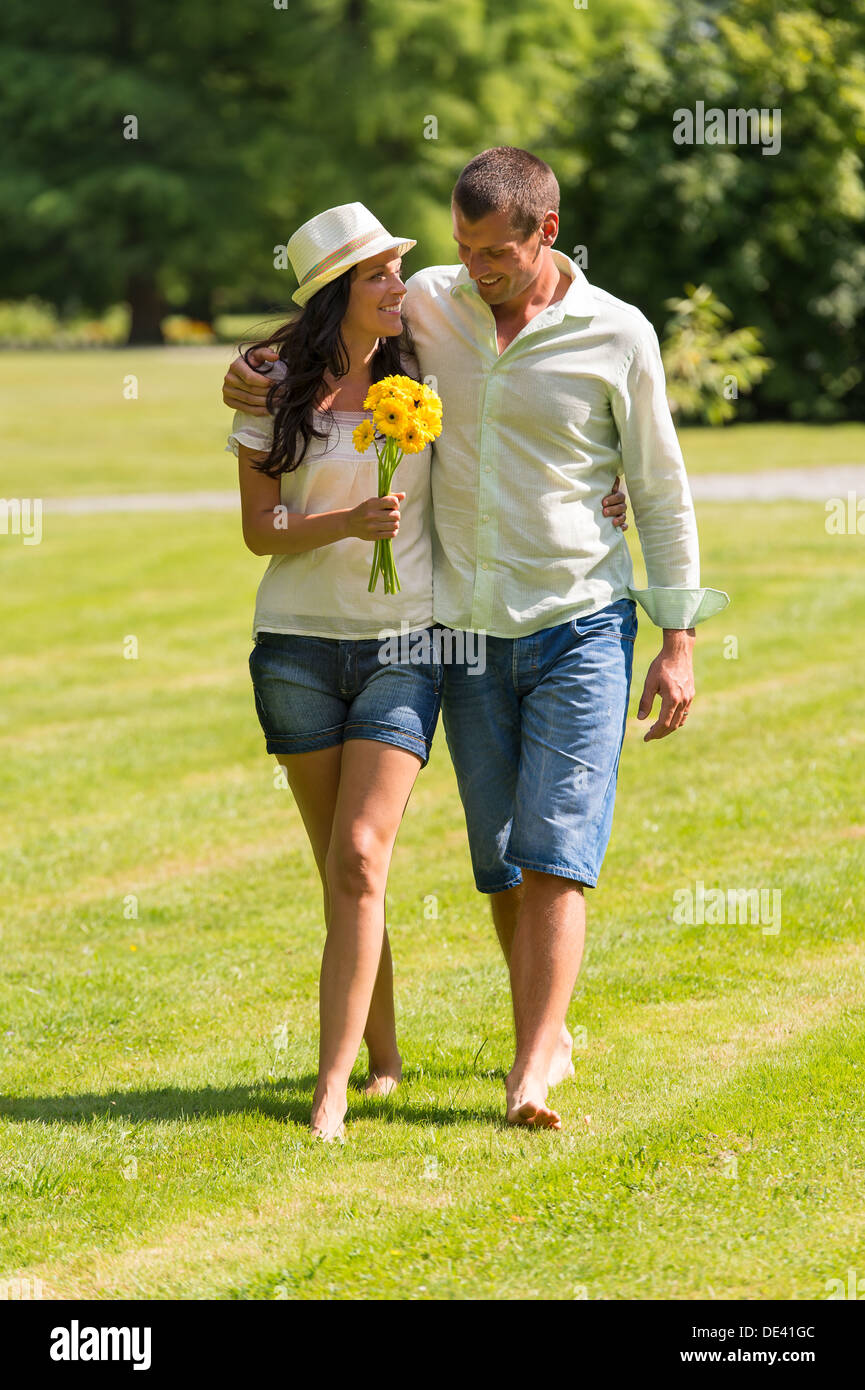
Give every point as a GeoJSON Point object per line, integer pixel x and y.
{"type": "Point", "coordinates": [199, 303]}
{"type": "Point", "coordinates": [147, 307]}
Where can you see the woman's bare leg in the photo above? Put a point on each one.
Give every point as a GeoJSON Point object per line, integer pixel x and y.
{"type": "Point", "coordinates": [385, 1062]}
{"type": "Point", "coordinates": [374, 786]}
{"type": "Point", "coordinates": [314, 782]}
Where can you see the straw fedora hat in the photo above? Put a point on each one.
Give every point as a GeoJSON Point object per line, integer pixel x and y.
{"type": "Point", "coordinates": [327, 245]}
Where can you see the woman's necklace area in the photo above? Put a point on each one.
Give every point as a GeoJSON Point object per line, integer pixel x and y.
{"type": "Point", "coordinates": [347, 393]}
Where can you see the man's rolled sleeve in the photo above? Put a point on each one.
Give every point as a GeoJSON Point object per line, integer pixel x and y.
{"type": "Point", "coordinates": [654, 471]}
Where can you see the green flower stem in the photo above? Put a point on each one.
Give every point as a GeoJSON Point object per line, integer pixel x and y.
{"type": "Point", "coordinates": [375, 566]}
{"type": "Point", "coordinates": [382, 556]}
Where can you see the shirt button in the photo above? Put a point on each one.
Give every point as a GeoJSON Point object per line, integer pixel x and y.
{"type": "Point", "coordinates": [488, 468]}
{"type": "Point", "coordinates": [485, 517]}
{"type": "Point", "coordinates": [484, 566]}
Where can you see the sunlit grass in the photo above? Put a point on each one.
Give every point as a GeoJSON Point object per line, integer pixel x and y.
{"type": "Point", "coordinates": [153, 1136]}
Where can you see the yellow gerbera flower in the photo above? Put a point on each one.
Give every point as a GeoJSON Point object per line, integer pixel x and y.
{"type": "Point", "coordinates": [391, 416]}
{"type": "Point", "coordinates": [429, 421]}
{"type": "Point", "coordinates": [363, 436]}
{"type": "Point", "coordinates": [413, 439]}
{"type": "Point", "coordinates": [429, 397]}
{"type": "Point", "coordinates": [401, 388]}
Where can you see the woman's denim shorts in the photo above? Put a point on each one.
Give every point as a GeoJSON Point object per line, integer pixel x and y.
{"type": "Point", "coordinates": [314, 692]}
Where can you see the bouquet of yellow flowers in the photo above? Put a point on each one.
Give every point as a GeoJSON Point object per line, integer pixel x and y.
{"type": "Point", "coordinates": [408, 416]}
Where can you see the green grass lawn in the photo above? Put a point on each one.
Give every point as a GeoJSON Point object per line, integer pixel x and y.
{"type": "Point", "coordinates": [157, 1070]}
{"type": "Point", "coordinates": [750, 448]}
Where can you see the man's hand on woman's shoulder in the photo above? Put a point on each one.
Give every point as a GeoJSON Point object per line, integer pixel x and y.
{"type": "Point", "coordinates": [246, 389]}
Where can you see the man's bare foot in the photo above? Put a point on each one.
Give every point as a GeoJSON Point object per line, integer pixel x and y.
{"type": "Point", "coordinates": [527, 1105]}
{"type": "Point", "coordinates": [328, 1116]}
{"type": "Point", "coordinates": [561, 1065]}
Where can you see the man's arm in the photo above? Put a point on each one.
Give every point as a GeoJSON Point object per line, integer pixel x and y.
{"type": "Point", "coordinates": [664, 514]}
{"type": "Point", "coordinates": [245, 389]}
{"type": "Point", "coordinates": [671, 675]}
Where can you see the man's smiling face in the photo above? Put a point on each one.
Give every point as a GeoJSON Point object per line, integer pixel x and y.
{"type": "Point", "coordinates": [501, 261]}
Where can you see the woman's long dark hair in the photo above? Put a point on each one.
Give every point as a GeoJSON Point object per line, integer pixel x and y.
{"type": "Point", "coordinates": [311, 344]}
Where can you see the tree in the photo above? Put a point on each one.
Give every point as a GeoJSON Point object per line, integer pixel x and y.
{"type": "Point", "coordinates": [706, 366]}
{"type": "Point", "coordinates": [125, 168]}
{"type": "Point", "coordinates": [253, 115]}
{"type": "Point", "coordinates": [161, 152]}
{"type": "Point", "coordinates": [779, 237]}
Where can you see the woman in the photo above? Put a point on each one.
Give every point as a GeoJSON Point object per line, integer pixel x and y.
{"type": "Point", "coordinates": [351, 732]}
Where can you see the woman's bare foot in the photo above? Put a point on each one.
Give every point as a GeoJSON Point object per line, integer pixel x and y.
{"type": "Point", "coordinates": [527, 1105]}
{"type": "Point", "coordinates": [561, 1065]}
{"type": "Point", "coordinates": [328, 1115]}
{"type": "Point", "coordinates": [382, 1080]}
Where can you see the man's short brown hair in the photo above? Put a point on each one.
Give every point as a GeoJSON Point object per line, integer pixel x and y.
{"type": "Point", "coordinates": [508, 180]}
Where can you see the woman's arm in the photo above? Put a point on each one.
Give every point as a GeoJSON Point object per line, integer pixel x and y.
{"type": "Point", "coordinates": [615, 506]}
{"type": "Point", "coordinates": [269, 529]}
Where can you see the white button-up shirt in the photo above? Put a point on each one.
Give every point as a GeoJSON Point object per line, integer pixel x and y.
{"type": "Point", "coordinates": [533, 438]}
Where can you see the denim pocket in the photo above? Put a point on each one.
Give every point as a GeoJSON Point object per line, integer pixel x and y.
{"type": "Point", "coordinates": [618, 619]}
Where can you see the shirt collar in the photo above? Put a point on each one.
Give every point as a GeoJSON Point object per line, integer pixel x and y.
{"type": "Point", "coordinates": [579, 298]}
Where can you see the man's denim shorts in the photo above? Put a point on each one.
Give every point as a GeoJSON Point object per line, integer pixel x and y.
{"type": "Point", "coordinates": [535, 741]}
{"type": "Point", "coordinates": [314, 692]}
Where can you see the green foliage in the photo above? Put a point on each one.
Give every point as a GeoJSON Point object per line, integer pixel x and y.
{"type": "Point", "coordinates": [707, 366]}
{"type": "Point", "coordinates": [92, 216]}
{"type": "Point", "coordinates": [253, 118]}
{"type": "Point", "coordinates": [31, 322]}
{"type": "Point", "coordinates": [388, 102]}
{"type": "Point", "coordinates": [778, 237]}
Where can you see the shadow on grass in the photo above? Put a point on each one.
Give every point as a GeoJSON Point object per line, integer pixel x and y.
{"type": "Point", "coordinates": [287, 1099]}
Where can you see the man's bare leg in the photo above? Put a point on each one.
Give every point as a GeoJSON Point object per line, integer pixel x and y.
{"type": "Point", "coordinates": [505, 908]}
{"type": "Point", "coordinates": [546, 952]}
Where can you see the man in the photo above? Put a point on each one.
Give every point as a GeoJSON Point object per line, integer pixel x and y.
{"type": "Point", "coordinates": [549, 387]}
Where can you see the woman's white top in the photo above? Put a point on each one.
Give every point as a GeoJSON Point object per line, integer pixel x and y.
{"type": "Point", "coordinates": [323, 592]}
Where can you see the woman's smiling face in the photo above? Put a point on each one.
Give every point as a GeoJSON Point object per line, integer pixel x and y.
{"type": "Point", "coordinates": [376, 297]}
